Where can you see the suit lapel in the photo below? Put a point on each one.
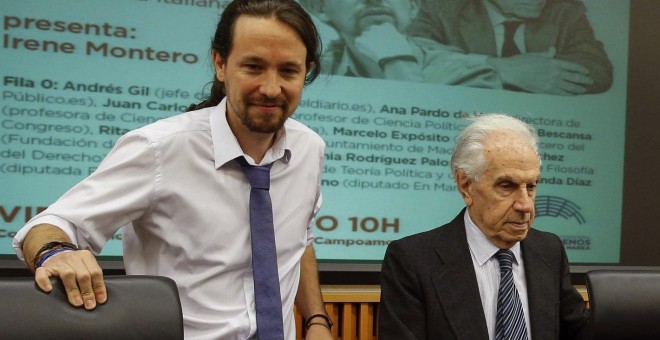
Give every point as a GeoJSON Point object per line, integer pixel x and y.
{"type": "Point", "coordinates": [540, 35]}
{"type": "Point", "coordinates": [456, 286]}
{"type": "Point", "coordinates": [540, 284]}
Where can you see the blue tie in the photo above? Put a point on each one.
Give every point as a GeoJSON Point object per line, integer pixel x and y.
{"type": "Point", "coordinates": [264, 255]}
{"type": "Point", "coordinates": [510, 317]}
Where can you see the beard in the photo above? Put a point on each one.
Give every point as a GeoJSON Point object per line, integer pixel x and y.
{"type": "Point", "coordinates": [262, 122]}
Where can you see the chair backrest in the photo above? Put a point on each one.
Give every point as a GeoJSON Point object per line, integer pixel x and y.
{"type": "Point", "coordinates": [138, 307]}
{"type": "Point", "coordinates": [624, 304]}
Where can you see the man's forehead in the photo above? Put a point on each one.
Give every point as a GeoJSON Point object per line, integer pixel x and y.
{"type": "Point", "coordinates": [507, 153]}
{"type": "Point", "coordinates": [507, 141]}
{"type": "Point", "coordinates": [259, 27]}
{"type": "Point", "coordinates": [517, 169]}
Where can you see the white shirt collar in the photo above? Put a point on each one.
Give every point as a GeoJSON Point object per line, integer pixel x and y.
{"type": "Point", "coordinates": [225, 144]}
{"type": "Point", "coordinates": [479, 244]}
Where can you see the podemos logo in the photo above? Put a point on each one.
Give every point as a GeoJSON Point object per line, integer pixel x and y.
{"type": "Point", "coordinates": [554, 206]}
{"type": "Point", "coordinates": [559, 207]}
{"type": "Point", "coordinates": [576, 242]}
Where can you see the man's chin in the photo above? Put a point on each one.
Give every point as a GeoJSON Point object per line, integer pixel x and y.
{"type": "Point", "coordinates": [265, 127]}
{"type": "Point", "coordinates": [518, 237]}
{"type": "Point", "coordinates": [515, 235]}
{"type": "Point", "coordinates": [264, 122]}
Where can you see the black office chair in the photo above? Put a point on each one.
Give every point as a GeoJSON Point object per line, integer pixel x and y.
{"type": "Point", "coordinates": [624, 304]}
{"type": "Point", "coordinates": [138, 307]}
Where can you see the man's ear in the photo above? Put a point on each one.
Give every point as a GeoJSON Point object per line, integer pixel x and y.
{"type": "Point", "coordinates": [310, 67]}
{"type": "Point", "coordinates": [219, 65]}
{"type": "Point", "coordinates": [464, 183]}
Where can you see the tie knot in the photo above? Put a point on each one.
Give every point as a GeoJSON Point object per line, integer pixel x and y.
{"type": "Point", "coordinates": [505, 258]}
{"type": "Point", "coordinates": [258, 176]}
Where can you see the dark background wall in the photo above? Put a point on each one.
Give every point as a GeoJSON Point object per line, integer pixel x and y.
{"type": "Point", "coordinates": [640, 240]}
{"type": "Point", "coordinates": [641, 205]}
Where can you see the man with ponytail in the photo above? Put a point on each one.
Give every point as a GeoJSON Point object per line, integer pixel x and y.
{"type": "Point", "coordinates": [179, 187]}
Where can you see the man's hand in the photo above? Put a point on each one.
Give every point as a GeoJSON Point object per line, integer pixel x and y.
{"type": "Point", "coordinates": [81, 275]}
{"type": "Point", "coordinates": [541, 73]}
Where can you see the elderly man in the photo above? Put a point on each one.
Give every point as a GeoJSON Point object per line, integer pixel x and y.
{"type": "Point", "coordinates": [487, 274]}
{"type": "Point", "coordinates": [538, 46]}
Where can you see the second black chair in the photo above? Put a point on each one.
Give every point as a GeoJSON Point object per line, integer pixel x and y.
{"type": "Point", "coordinates": [624, 304]}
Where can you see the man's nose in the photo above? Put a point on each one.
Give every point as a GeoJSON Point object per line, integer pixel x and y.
{"type": "Point", "coordinates": [524, 202]}
{"type": "Point", "coordinates": [270, 85]}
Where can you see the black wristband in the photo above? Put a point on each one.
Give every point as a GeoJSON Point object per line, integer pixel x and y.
{"type": "Point", "coordinates": [309, 322]}
{"type": "Point", "coordinates": [320, 324]}
{"type": "Point", "coordinates": [49, 246]}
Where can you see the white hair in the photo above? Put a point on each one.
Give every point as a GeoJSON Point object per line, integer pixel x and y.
{"type": "Point", "coordinates": [469, 154]}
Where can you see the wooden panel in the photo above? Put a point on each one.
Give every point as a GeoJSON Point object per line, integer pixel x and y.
{"type": "Point", "coordinates": [349, 321]}
{"type": "Point", "coordinates": [333, 313]}
{"type": "Point", "coordinates": [582, 289]}
{"type": "Point", "coordinates": [366, 321]}
{"type": "Point", "coordinates": [351, 293]}
{"type": "Point", "coordinates": [354, 311]}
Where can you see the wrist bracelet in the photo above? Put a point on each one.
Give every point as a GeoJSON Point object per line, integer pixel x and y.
{"type": "Point", "coordinates": [328, 324]}
{"type": "Point", "coordinates": [51, 245]}
{"type": "Point", "coordinates": [318, 323]}
{"type": "Point", "coordinates": [50, 254]}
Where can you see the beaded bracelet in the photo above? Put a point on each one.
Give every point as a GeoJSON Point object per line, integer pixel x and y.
{"type": "Point", "coordinates": [51, 245]}
{"type": "Point", "coordinates": [49, 255]}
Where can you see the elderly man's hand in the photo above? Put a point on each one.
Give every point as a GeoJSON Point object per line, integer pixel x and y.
{"type": "Point", "coordinates": [81, 275]}
{"type": "Point", "coordinates": [541, 73]}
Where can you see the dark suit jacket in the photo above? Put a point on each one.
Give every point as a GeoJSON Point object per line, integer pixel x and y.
{"type": "Point", "coordinates": [429, 289]}
{"type": "Point", "coordinates": [563, 24]}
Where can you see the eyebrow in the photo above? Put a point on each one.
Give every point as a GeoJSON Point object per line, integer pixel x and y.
{"type": "Point", "coordinates": [256, 59]}
{"type": "Point", "coordinates": [508, 178]}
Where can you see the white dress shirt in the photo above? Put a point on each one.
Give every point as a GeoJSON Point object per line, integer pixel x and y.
{"type": "Point", "coordinates": [487, 269]}
{"type": "Point", "coordinates": [176, 181]}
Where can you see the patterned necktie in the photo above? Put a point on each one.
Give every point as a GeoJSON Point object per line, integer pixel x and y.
{"type": "Point", "coordinates": [510, 317]}
{"type": "Point", "coordinates": [268, 301]}
{"type": "Point", "coordinates": [509, 47]}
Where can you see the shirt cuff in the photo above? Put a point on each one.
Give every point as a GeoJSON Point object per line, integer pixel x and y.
{"type": "Point", "coordinates": [57, 221]}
